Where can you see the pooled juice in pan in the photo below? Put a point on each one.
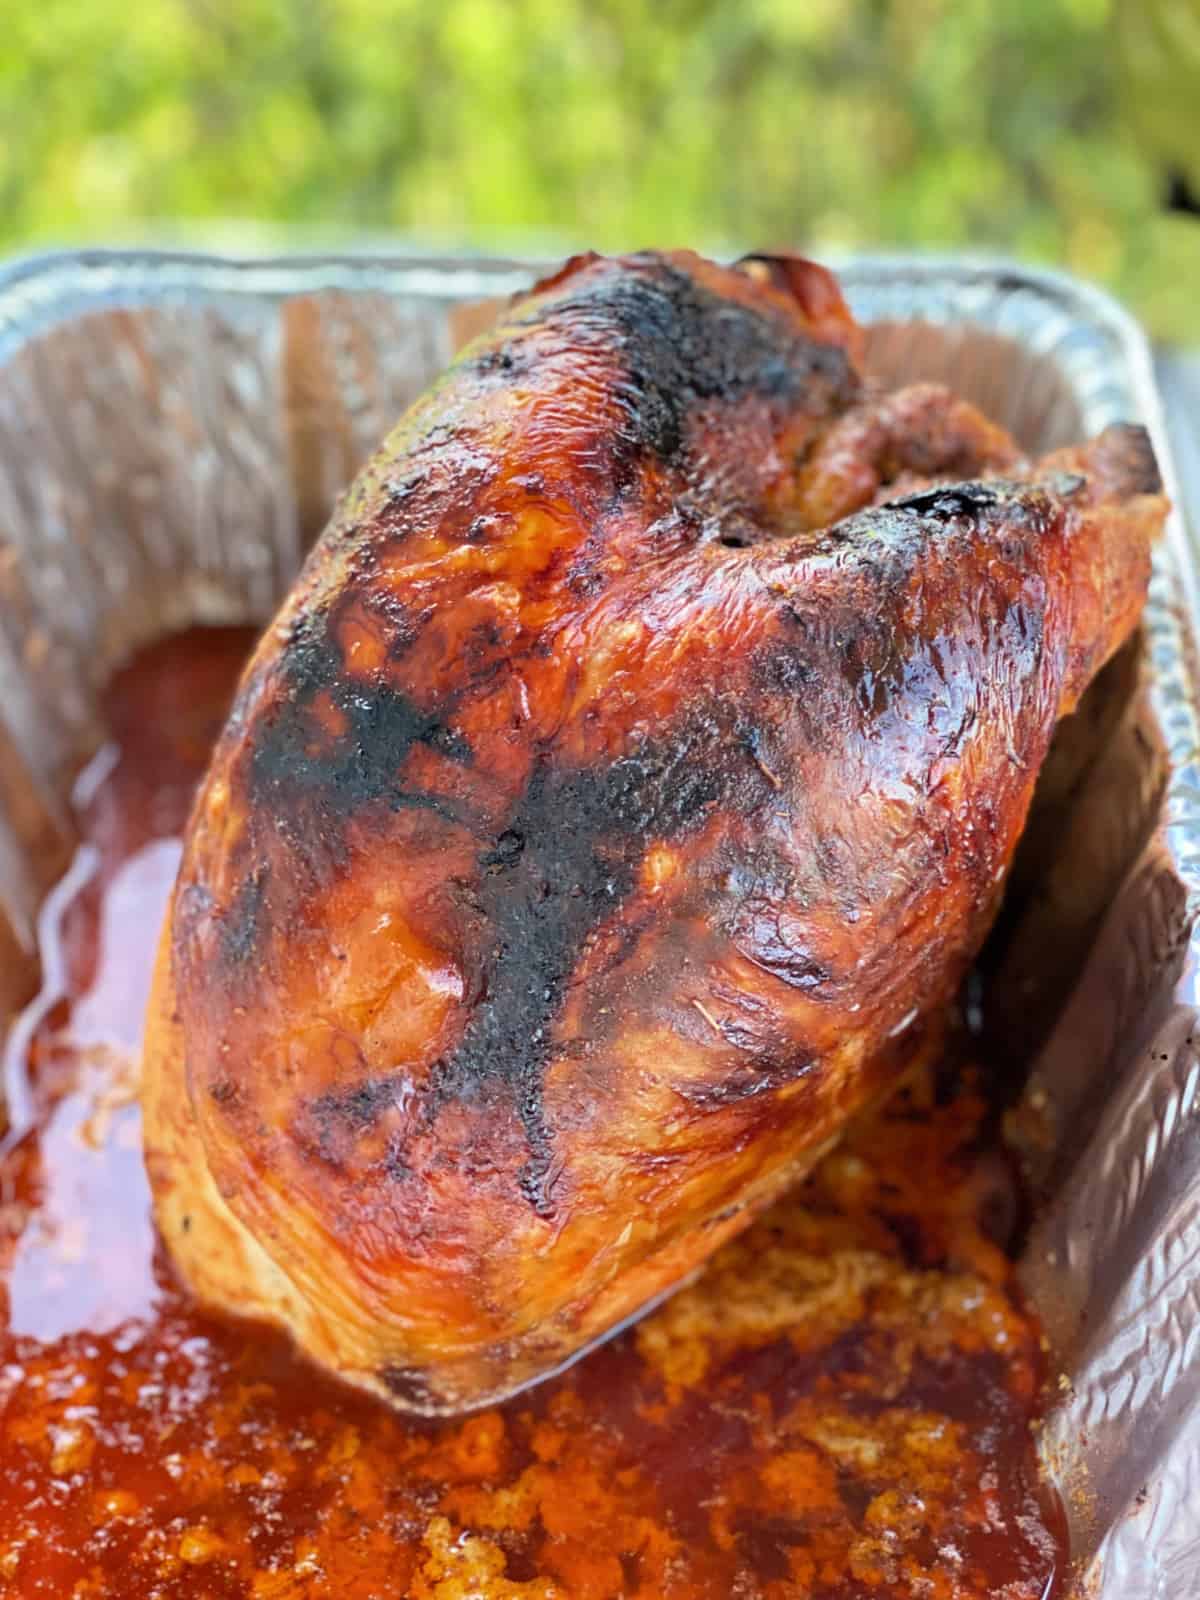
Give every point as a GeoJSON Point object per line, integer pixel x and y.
{"type": "Point", "coordinates": [841, 1406]}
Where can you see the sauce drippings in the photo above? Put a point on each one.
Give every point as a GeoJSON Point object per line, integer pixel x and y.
{"type": "Point", "coordinates": [841, 1406]}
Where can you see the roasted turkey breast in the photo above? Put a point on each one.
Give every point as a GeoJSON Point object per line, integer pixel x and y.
{"type": "Point", "coordinates": [612, 808]}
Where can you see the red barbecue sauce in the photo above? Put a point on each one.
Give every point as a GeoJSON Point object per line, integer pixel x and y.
{"type": "Point", "coordinates": [842, 1406]}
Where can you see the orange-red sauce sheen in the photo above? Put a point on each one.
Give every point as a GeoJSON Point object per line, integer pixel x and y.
{"type": "Point", "coordinates": [842, 1406]}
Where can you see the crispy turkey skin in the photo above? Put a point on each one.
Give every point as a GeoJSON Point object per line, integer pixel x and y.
{"type": "Point", "coordinates": [612, 809]}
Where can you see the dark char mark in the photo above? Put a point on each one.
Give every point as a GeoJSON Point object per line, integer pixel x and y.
{"type": "Point", "coordinates": [562, 868]}
{"type": "Point", "coordinates": [963, 500]}
{"type": "Point", "coordinates": [243, 926]}
{"type": "Point", "coordinates": [889, 543]}
{"type": "Point", "coordinates": [333, 1121]}
{"type": "Point", "coordinates": [358, 1107]}
{"type": "Point", "coordinates": [683, 346]}
{"type": "Point", "coordinates": [891, 536]}
{"type": "Point", "coordinates": [293, 756]}
{"type": "Point", "coordinates": [410, 1385]}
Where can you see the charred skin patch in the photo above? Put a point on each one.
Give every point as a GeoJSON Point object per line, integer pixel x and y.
{"type": "Point", "coordinates": [409, 1385]}
{"type": "Point", "coordinates": [333, 1122]}
{"type": "Point", "coordinates": [243, 926]}
{"type": "Point", "coordinates": [1018, 512]}
{"type": "Point", "coordinates": [681, 347]}
{"type": "Point", "coordinates": [963, 500]}
{"type": "Point", "coordinates": [868, 646]}
{"type": "Point", "coordinates": [503, 361]}
{"type": "Point", "coordinates": [561, 869]}
{"type": "Point", "coordinates": [359, 1107]}
{"type": "Point", "coordinates": [294, 758]}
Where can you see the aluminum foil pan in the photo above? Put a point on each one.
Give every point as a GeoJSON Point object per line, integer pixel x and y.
{"type": "Point", "coordinates": [173, 433]}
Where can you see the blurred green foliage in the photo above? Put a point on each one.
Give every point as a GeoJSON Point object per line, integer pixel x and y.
{"type": "Point", "coordinates": [988, 124]}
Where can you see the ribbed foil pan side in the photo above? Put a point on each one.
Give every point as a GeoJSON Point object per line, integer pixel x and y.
{"type": "Point", "coordinates": [174, 431]}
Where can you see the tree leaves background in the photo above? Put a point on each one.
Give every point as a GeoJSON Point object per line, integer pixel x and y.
{"type": "Point", "coordinates": [513, 124]}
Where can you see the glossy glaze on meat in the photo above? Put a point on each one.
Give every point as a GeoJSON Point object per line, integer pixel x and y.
{"type": "Point", "coordinates": [595, 829]}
